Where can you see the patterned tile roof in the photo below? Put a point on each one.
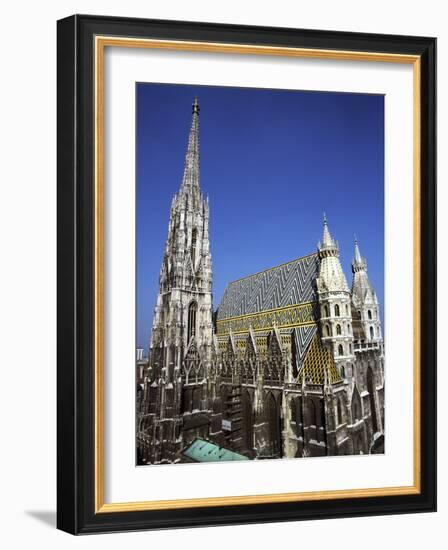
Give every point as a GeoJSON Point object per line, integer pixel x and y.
{"type": "Point", "coordinates": [317, 360]}
{"type": "Point", "coordinates": [280, 286]}
{"type": "Point", "coordinates": [302, 339]}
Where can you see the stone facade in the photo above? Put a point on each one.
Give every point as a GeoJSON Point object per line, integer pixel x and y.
{"type": "Point", "coordinates": [291, 364]}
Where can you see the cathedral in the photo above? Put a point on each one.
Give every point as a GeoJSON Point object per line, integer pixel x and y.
{"type": "Point", "coordinates": [291, 363]}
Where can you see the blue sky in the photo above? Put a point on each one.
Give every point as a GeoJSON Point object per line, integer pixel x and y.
{"type": "Point", "coordinates": [272, 161]}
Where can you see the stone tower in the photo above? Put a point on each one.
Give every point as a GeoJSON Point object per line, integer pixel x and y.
{"type": "Point", "coordinates": [183, 313]}
{"type": "Point", "coordinates": [335, 305]}
{"type": "Point", "coordinates": [182, 332]}
{"type": "Point", "coordinates": [369, 349]}
{"type": "Point", "coordinates": [364, 299]}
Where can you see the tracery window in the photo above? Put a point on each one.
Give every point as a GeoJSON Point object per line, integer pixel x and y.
{"type": "Point", "coordinates": [192, 310]}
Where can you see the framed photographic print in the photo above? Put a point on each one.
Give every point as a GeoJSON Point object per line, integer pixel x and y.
{"type": "Point", "coordinates": [246, 274]}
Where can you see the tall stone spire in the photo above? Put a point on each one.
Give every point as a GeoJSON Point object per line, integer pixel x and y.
{"type": "Point", "coordinates": [182, 331]}
{"type": "Point", "coordinates": [186, 272]}
{"type": "Point", "coordinates": [190, 179]}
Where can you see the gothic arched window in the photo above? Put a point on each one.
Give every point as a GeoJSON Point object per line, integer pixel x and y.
{"type": "Point", "coordinates": [338, 329]}
{"type": "Point", "coordinates": [192, 310]}
{"type": "Point", "coordinates": [337, 311]}
{"type": "Point", "coordinates": [369, 314]}
{"type": "Point", "coordinates": [339, 411]}
{"type": "Point", "coordinates": [371, 333]}
{"type": "Point", "coordinates": [194, 237]}
{"type": "Point", "coordinates": [356, 406]}
{"type": "Point", "coordinates": [340, 350]}
{"type": "Point", "coordinates": [327, 330]}
{"type": "Point", "coordinates": [326, 311]}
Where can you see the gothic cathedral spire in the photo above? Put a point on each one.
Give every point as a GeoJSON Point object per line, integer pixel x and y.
{"type": "Point", "coordinates": [182, 332]}
{"type": "Point", "coordinates": [183, 314]}
{"type": "Point", "coordinates": [191, 170]}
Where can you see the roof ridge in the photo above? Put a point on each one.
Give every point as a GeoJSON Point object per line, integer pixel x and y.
{"type": "Point", "coordinates": [273, 267]}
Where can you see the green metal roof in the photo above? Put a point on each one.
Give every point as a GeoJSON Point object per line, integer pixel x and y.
{"type": "Point", "coordinates": [205, 451]}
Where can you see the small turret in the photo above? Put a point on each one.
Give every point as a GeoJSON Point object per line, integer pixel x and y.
{"type": "Point", "coordinates": [334, 303]}
{"type": "Point", "coordinates": [364, 301]}
{"type": "Point", "coordinates": [331, 277]}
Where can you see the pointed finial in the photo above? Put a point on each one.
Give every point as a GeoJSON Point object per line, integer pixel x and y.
{"type": "Point", "coordinates": [358, 258]}
{"type": "Point", "coordinates": [355, 239]}
{"type": "Point", "coordinates": [326, 238]}
{"type": "Point", "coordinates": [195, 106]}
{"type": "Point", "coordinates": [359, 263]}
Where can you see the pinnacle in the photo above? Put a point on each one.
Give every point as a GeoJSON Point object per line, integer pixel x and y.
{"type": "Point", "coordinates": [191, 170]}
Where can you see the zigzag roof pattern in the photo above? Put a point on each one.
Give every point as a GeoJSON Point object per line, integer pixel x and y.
{"type": "Point", "coordinates": [319, 360]}
{"type": "Point", "coordinates": [283, 285]}
{"type": "Point", "coordinates": [302, 339]}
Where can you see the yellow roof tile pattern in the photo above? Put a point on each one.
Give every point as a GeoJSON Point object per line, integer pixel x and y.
{"type": "Point", "coordinates": [317, 360]}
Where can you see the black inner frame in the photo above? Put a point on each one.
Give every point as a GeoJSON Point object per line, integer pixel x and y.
{"type": "Point", "coordinates": [75, 298]}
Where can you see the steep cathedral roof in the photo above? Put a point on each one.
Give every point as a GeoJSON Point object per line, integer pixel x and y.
{"type": "Point", "coordinates": [280, 286]}
{"type": "Point", "coordinates": [319, 362]}
{"type": "Point", "coordinates": [263, 300]}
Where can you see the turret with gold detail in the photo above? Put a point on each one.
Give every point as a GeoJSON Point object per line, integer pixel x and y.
{"type": "Point", "coordinates": [335, 318]}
